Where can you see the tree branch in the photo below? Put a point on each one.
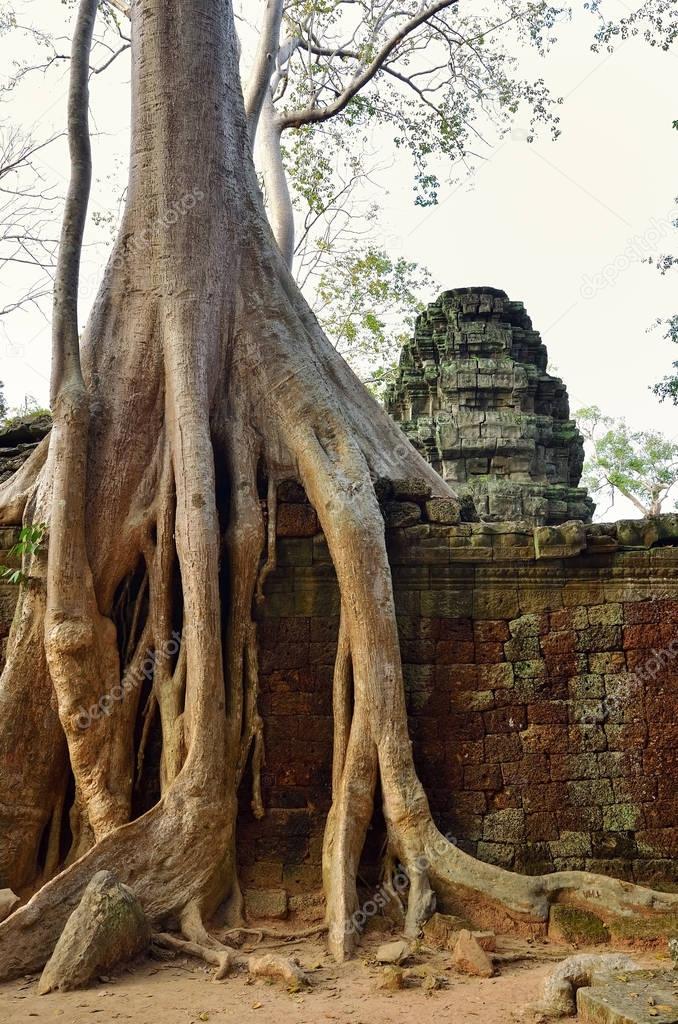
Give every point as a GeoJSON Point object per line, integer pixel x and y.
{"type": "Point", "coordinates": [121, 6]}
{"type": "Point", "coordinates": [314, 115]}
{"type": "Point", "coordinates": [65, 340]}
{"type": "Point", "coordinates": [265, 63]}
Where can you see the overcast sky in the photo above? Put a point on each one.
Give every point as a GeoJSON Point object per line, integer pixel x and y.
{"type": "Point", "coordinates": [544, 221]}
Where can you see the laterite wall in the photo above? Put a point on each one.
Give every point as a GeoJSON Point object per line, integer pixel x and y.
{"type": "Point", "coordinates": [542, 689]}
{"type": "Point", "coordinates": [545, 727]}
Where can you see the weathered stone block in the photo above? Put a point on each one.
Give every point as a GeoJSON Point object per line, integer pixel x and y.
{"type": "Point", "coordinates": [442, 510]}
{"type": "Point", "coordinates": [605, 615]}
{"type": "Point", "coordinates": [266, 903]}
{"type": "Point", "coordinates": [622, 818]}
{"type": "Point", "coordinates": [497, 677]}
{"type": "Point", "coordinates": [598, 638]}
{"type": "Point", "coordinates": [401, 513]}
{"type": "Point", "coordinates": [529, 625]}
{"type": "Point", "coordinates": [522, 648]}
{"type": "Point", "coordinates": [501, 854]}
{"type": "Point", "coordinates": [411, 489]}
{"type": "Point", "coordinates": [504, 826]}
{"type": "Point", "coordinates": [503, 747]}
{"type": "Point", "coordinates": [581, 927]}
{"type": "Point", "coordinates": [594, 791]}
{"type": "Point", "coordinates": [295, 520]}
{"type": "Point", "coordinates": [559, 541]}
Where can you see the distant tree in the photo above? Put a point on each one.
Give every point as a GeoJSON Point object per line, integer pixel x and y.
{"type": "Point", "coordinates": [366, 303]}
{"type": "Point", "coordinates": [640, 464]}
{"type": "Point", "coordinates": [3, 403]}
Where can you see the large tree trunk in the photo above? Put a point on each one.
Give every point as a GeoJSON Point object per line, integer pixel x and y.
{"type": "Point", "coordinates": [204, 368]}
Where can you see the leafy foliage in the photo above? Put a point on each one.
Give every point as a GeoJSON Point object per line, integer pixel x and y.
{"type": "Point", "coordinates": [356, 79]}
{"type": "Point", "coordinates": [3, 403]}
{"type": "Point", "coordinates": [438, 91]}
{"type": "Point", "coordinates": [30, 541]}
{"type": "Point", "coordinates": [367, 303]}
{"type": "Point", "coordinates": [656, 21]}
{"type": "Point", "coordinates": [640, 464]}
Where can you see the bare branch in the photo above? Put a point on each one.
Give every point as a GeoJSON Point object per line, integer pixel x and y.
{"type": "Point", "coordinates": [314, 115]}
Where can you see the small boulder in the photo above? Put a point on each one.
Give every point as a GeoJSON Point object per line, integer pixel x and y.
{"type": "Point", "coordinates": [442, 930]}
{"type": "Point", "coordinates": [392, 952]}
{"type": "Point", "coordinates": [278, 968]}
{"type": "Point", "coordinates": [107, 927]}
{"type": "Point", "coordinates": [424, 977]}
{"type": "Point", "coordinates": [391, 979]}
{"type": "Point", "coordinates": [470, 958]}
{"type": "Point", "coordinates": [8, 902]}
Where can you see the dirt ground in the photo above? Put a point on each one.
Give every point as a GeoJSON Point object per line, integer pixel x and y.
{"type": "Point", "coordinates": [181, 991]}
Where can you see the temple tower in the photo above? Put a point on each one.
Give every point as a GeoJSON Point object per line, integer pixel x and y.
{"type": "Point", "coordinates": [473, 394]}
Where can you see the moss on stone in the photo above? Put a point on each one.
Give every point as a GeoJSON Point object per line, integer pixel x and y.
{"type": "Point", "coordinates": [578, 926]}
{"type": "Point", "coordinates": [645, 928]}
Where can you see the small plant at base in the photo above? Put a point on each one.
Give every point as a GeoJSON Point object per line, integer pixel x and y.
{"type": "Point", "coordinates": [29, 542]}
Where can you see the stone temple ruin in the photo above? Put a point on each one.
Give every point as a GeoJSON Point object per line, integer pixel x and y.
{"type": "Point", "coordinates": [540, 657]}
{"type": "Point", "coordinates": [474, 396]}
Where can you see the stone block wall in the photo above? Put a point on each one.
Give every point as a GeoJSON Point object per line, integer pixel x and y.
{"type": "Point", "coordinates": [542, 689]}
{"type": "Point", "coordinates": [542, 694]}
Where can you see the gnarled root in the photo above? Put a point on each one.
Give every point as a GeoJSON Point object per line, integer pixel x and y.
{"type": "Point", "coordinates": [172, 858]}
{"type": "Point", "coordinates": [16, 492]}
{"type": "Point", "coordinates": [559, 995]}
{"type": "Point", "coordinates": [224, 959]}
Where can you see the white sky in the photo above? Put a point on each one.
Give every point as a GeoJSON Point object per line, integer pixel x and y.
{"type": "Point", "coordinates": [540, 220]}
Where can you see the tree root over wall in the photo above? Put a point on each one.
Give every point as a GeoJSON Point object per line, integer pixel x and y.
{"type": "Point", "coordinates": [204, 373]}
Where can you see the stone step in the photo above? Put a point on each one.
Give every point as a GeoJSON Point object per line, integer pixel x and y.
{"type": "Point", "coordinates": [636, 997]}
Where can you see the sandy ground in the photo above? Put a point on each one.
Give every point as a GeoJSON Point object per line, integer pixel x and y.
{"type": "Point", "coordinates": [181, 991]}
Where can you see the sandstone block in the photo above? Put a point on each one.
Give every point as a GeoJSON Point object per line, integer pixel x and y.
{"type": "Point", "coordinates": [401, 513]}
{"type": "Point", "coordinates": [559, 541]}
{"type": "Point", "coordinates": [470, 958]}
{"type": "Point", "coordinates": [271, 903]}
{"type": "Point", "coordinates": [443, 510]}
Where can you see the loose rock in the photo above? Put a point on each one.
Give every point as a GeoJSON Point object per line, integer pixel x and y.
{"type": "Point", "coordinates": [392, 952]}
{"type": "Point", "coordinates": [8, 902]}
{"type": "Point", "coordinates": [278, 968]}
{"type": "Point", "coordinates": [442, 930]}
{"type": "Point", "coordinates": [470, 958]}
{"type": "Point", "coordinates": [391, 979]}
